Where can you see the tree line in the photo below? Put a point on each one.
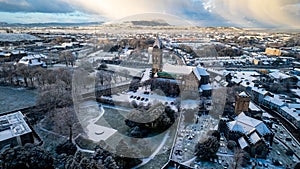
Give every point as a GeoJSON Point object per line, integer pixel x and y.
{"type": "Point", "coordinates": [32, 156]}
{"type": "Point", "coordinates": [32, 77]}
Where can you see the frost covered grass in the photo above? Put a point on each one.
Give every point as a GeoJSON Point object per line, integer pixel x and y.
{"type": "Point", "coordinates": [12, 98]}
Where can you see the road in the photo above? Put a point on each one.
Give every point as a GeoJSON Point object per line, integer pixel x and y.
{"type": "Point", "coordinates": [291, 129]}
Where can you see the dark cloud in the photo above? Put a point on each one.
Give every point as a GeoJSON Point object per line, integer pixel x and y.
{"type": "Point", "coordinates": [43, 6]}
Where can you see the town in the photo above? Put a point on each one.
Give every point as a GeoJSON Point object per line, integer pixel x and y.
{"type": "Point", "coordinates": [129, 95]}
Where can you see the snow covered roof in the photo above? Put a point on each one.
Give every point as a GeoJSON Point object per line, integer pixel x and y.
{"type": "Point", "coordinates": [254, 138]}
{"type": "Point", "coordinates": [279, 75]}
{"type": "Point", "coordinates": [244, 78]}
{"type": "Point", "coordinates": [243, 143]}
{"type": "Point", "coordinates": [200, 90]}
{"type": "Point", "coordinates": [146, 75]}
{"type": "Point", "coordinates": [35, 56]}
{"type": "Point", "coordinates": [218, 78]}
{"type": "Point", "coordinates": [246, 124]}
{"type": "Point", "coordinates": [259, 90]}
{"type": "Point", "coordinates": [274, 100]}
{"type": "Point", "coordinates": [267, 115]}
{"type": "Point", "coordinates": [206, 87]}
{"type": "Point", "coordinates": [5, 54]}
{"type": "Point", "coordinates": [202, 71]}
{"type": "Point", "coordinates": [157, 43]}
{"type": "Point", "coordinates": [297, 69]}
{"type": "Point", "coordinates": [13, 125]}
{"type": "Point", "coordinates": [183, 70]}
{"type": "Point", "coordinates": [253, 107]}
{"type": "Point", "coordinates": [199, 71]}
{"type": "Point", "coordinates": [16, 52]}
{"type": "Point", "coordinates": [292, 112]}
{"type": "Point", "coordinates": [243, 94]}
{"type": "Point", "coordinates": [32, 60]}
{"type": "Point", "coordinates": [294, 105]}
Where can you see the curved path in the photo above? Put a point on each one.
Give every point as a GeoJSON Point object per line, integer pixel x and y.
{"type": "Point", "coordinates": [146, 160]}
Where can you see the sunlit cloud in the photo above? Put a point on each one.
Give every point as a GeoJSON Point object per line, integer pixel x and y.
{"type": "Point", "coordinates": [274, 13]}
{"type": "Point", "coordinates": [116, 9]}
{"type": "Point", "coordinates": [248, 13]}
{"type": "Point", "coordinates": [244, 13]}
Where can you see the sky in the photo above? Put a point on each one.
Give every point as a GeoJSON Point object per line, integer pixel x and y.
{"type": "Point", "coordinates": [241, 13]}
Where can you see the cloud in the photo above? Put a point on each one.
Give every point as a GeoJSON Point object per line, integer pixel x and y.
{"type": "Point", "coordinates": [37, 17]}
{"type": "Point", "coordinates": [117, 9]}
{"type": "Point", "coordinates": [244, 13]}
{"type": "Point", "coordinates": [52, 6]}
{"type": "Point", "coordinates": [272, 13]}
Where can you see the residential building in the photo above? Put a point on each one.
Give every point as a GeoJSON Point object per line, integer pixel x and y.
{"type": "Point", "coordinates": [254, 111]}
{"type": "Point", "coordinates": [273, 52]}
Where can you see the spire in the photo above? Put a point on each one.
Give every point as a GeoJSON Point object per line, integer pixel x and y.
{"type": "Point", "coordinates": [157, 43]}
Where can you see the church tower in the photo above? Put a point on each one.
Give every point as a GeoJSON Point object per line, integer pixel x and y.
{"type": "Point", "coordinates": [242, 101]}
{"type": "Point", "coordinates": [157, 56]}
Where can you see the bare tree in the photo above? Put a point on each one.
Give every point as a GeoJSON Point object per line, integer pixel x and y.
{"type": "Point", "coordinates": [23, 70]}
{"type": "Point", "coordinates": [67, 57]}
{"type": "Point", "coordinates": [31, 75]}
{"type": "Point", "coordinates": [54, 96]}
{"type": "Point", "coordinates": [65, 121]}
{"type": "Point", "coordinates": [41, 76]}
{"type": "Point", "coordinates": [8, 72]}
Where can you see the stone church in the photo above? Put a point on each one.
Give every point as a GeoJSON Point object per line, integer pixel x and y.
{"type": "Point", "coordinates": [191, 80]}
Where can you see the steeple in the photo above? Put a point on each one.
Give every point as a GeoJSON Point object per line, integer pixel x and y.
{"type": "Point", "coordinates": [157, 43]}
{"type": "Point", "coordinates": [157, 56]}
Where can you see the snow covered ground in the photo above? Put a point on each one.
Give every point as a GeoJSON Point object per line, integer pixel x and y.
{"type": "Point", "coordinates": [16, 98]}
{"type": "Point", "coordinates": [89, 113]}
{"type": "Point", "coordinates": [11, 37]}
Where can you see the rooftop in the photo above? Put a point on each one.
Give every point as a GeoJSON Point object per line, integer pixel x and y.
{"type": "Point", "coordinates": [13, 125]}
{"type": "Point", "coordinates": [292, 112]}
{"type": "Point", "coordinates": [157, 43]}
{"type": "Point", "coordinates": [253, 107]}
{"type": "Point", "coordinates": [206, 87]}
{"type": "Point", "coordinates": [246, 125]}
{"type": "Point", "coordinates": [185, 70]}
{"type": "Point", "coordinates": [259, 90]}
{"type": "Point", "coordinates": [243, 143]}
{"type": "Point", "coordinates": [254, 138]}
{"type": "Point", "coordinates": [275, 100]}
{"type": "Point", "coordinates": [243, 94]}
{"type": "Point", "coordinates": [182, 70]}
{"type": "Point", "coordinates": [279, 75]}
